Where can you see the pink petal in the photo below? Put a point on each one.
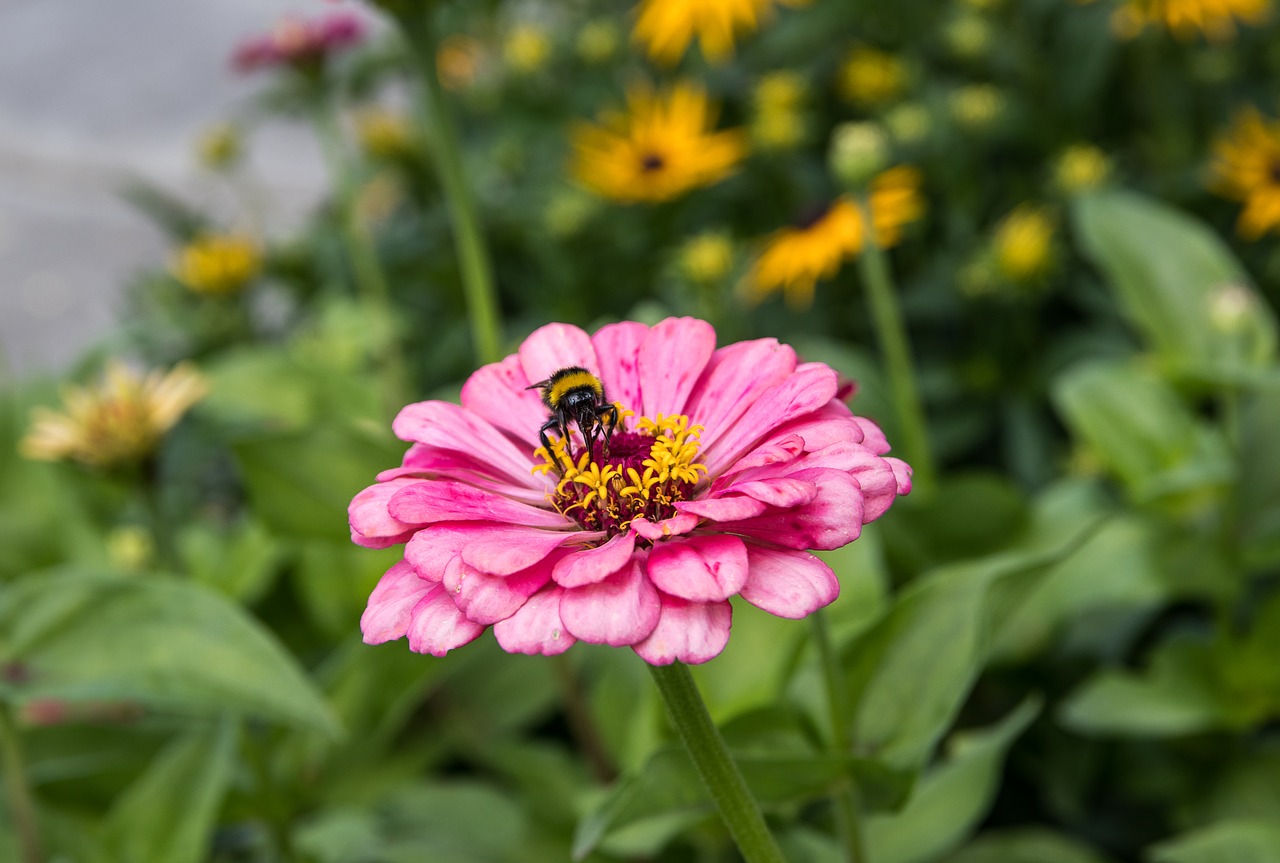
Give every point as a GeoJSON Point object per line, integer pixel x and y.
{"type": "Point", "coordinates": [699, 568]}
{"type": "Point", "coordinates": [808, 389]}
{"type": "Point", "coordinates": [782, 491]}
{"type": "Point", "coordinates": [691, 632]}
{"type": "Point", "coordinates": [444, 500]}
{"type": "Point", "coordinates": [671, 359]}
{"type": "Point", "coordinates": [438, 626]}
{"type": "Point", "coordinates": [873, 439]}
{"type": "Point", "coordinates": [618, 348]}
{"type": "Point", "coordinates": [536, 628]}
{"type": "Point", "coordinates": [553, 347]}
{"type": "Point", "coordinates": [731, 507]}
{"type": "Point", "coordinates": [498, 549]}
{"type": "Point", "coordinates": [735, 377]}
{"type": "Point", "coordinates": [788, 583]}
{"type": "Point", "coordinates": [425, 462]}
{"type": "Point", "coordinates": [902, 472]}
{"type": "Point", "coordinates": [622, 609]}
{"type": "Point", "coordinates": [372, 524]}
{"type": "Point", "coordinates": [497, 393]}
{"type": "Point", "coordinates": [592, 565]}
{"type": "Point", "coordinates": [447, 426]}
{"type": "Point", "coordinates": [834, 517]}
{"type": "Point", "coordinates": [779, 451]}
{"type": "Point", "coordinates": [387, 615]}
{"type": "Point", "coordinates": [485, 598]}
{"type": "Point", "coordinates": [678, 524]}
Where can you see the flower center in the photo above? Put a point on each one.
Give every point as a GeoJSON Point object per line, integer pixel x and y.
{"type": "Point", "coordinates": [652, 162]}
{"type": "Point", "coordinates": [643, 472]}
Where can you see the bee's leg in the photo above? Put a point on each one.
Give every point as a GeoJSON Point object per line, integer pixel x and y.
{"type": "Point", "coordinates": [550, 424]}
{"type": "Point", "coordinates": [611, 411]}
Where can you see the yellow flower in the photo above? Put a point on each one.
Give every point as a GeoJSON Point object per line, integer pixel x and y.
{"type": "Point", "coordinates": [458, 62]}
{"type": "Point", "coordinates": [1023, 244]}
{"type": "Point", "coordinates": [666, 27]}
{"type": "Point", "coordinates": [384, 134]}
{"type": "Point", "coordinates": [976, 106]}
{"type": "Point", "coordinates": [870, 76]}
{"type": "Point", "coordinates": [707, 258]}
{"type": "Point", "coordinates": [659, 149]}
{"type": "Point", "coordinates": [1216, 19]}
{"type": "Point", "coordinates": [1079, 168]}
{"type": "Point", "coordinates": [1246, 168]}
{"type": "Point", "coordinates": [119, 422]}
{"type": "Point", "coordinates": [217, 264]}
{"type": "Point", "coordinates": [526, 48]}
{"type": "Point", "coordinates": [793, 259]}
{"type": "Point", "coordinates": [597, 41]}
{"type": "Point", "coordinates": [220, 147]}
{"type": "Point", "coordinates": [778, 120]}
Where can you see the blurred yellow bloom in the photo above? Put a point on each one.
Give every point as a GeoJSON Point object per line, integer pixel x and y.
{"type": "Point", "coordinates": [598, 41]}
{"type": "Point", "coordinates": [1216, 19]}
{"type": "Point", "coordinates": [458, 61]}
{"type": "Point", "coordinates": [120, 422]}
{"type": "Point", "coordinates": [870, 76]}
{"type": "Point", "coordinates": [777, 121]}
{"type": "Point", "coordinates": [526, 48]}
{"type": "Point", "coordinates": [1079, 168]}
{"type": "Point", "coordinates": [384, 134]}
{"type": "Point", "coordinates": [220, 147]}
{"type": "Point", "coordinates": [707, 258]}
{"type": "Point", "coordinates": [857, 152]}
{"type": "Point", "coordinates": [659, 149]}
{"type": "Point", "coordinates": [130, 548]}
{"type": "Point", "coordinates": [378, 198]}
{"type": "Point", "coordinates": [1023, 244]}
{"type": "Point", "coordinates": [909, 123]}
{"type": "Point", "coordinates": [666, 27]}
{"type": "Point", "coordinates": [217, 264]}
{"type": "Point", "coordinates": [1246, 168]}
{"type": "Point", "coordinates": [977, 106]}
{"type": "Point", "coordinates": [793, 259]}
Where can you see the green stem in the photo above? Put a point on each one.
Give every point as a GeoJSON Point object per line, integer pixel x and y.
{"type": "Point", "coordinates": [711, 758]}
{"type": "Point", "coordinates": [370, 280]}
{"type": "Point", "coordinates": [892, 335]}
{"type": "Point", "coordinates": [22, 807]}
{"type": "Point", "coordinates": [845, 799]}
{"type": "Point", "coordinates": [473, 256]}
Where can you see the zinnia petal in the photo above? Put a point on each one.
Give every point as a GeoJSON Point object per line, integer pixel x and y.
{"type": "Point", "coordinates": [699, 568]}
{"type": "Point", "coordinates": [536, 628]}
{"type": "Point", "coordinates": [623, 609]}
{"type": "Point", "coordinates": [388, 613]}
{"type": "Point", "coordinates": [788, 583]}
{"type": "Point", "coordinates": [689, 632]}
{"type": "Point", "coordinates": [438, 626]}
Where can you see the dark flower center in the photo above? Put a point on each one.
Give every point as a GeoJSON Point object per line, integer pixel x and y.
{"type": "Point", "coordinates": [652, 162]}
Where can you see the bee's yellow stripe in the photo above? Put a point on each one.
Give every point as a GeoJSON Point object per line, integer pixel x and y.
{"type": "Point", "coordinates": [573, 381]}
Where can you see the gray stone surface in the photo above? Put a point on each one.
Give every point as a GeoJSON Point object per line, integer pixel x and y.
{"type": "Point", "coordinates": [93, 92]}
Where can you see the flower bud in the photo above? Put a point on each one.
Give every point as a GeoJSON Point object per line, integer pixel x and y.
{"type": "Point", "coordinates": [858, 152]}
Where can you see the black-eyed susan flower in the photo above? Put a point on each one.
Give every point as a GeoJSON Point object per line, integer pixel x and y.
{"type": "Point", "coordinates": [666, 27]}
{"type": "Point", "coordinates": [871, 77]}
{"type": "Point", "coordinates": [1246, 168]}
{"type": "Point", "coordinates": [660, 148]}
{"type": "Point", "coordinates": [794, 258]}
{"type": "Point", "coordinates": [1215, 19]}
{"type": "Point", "coordinates": [119, 422]}
{"type": "Point", "coordinates": [217, 265]}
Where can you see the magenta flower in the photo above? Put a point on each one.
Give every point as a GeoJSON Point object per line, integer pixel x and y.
{"type": "Point", "coordinates": [728, 466]}
{"type": "Point", "coordinates": [301, 44]}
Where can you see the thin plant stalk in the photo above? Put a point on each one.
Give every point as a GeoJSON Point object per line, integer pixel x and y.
{"type": "Point", "coordinates": [473, 254]}
{"type": "Point", "coordinates": [892, 335]}
{"type": "Point", "coordinates": [848, 810]}
{"type": "Point", "coordinates": [22, 807]}
{"type": "Point", "coordinates": [702, 740]}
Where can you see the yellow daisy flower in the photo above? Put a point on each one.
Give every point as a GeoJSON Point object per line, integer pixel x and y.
{"type": "Point", "coordinates": [117, 423]}
{"type": "Point", "coordinates": [217, 264]}
{"type": "Point", "coordinates": [1246, 168]}
{"type": "Point", "coordinates": [666, 27]}
{"type": "Point", "coordinates": [659, 149]}
{"type": "Point", "coordinates": [793, 259]}
{"type": "Point", "coordinates": [871, 77]}
{"type": "Point", "coordinates": [1023, 243]}
{"type": "Point", "coordinates": [1216, 19]}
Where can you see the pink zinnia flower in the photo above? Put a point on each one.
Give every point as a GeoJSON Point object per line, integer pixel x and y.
{"type": "Point", "coordinates": [728, 466]}
{"type": "Point", "coordinates": [299, 43]}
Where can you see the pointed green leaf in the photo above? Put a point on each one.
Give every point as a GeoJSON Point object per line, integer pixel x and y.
{"type": "Point", "coordinates": [1225, 842]}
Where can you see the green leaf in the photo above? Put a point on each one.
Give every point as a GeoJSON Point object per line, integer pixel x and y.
{"type": "Point", "coordinates": [238, 562]}
{"type": "Point", "coordinates": [1136, 424]}
{"type": "Point", "coordinates": [1177, 282]}
{"type": "Point", "coordinates": [168, 815]}
{"type": "Point", "coordinates": [951, 799]}
{"type": "Point", "coordinates": [1025, 845]}
{"type": "Point", "coordinates": [171, 645]}
{"type": "Point", "coordinates": [1243, 841]}
{"type": "Point", "coordinates": [1258, 491]}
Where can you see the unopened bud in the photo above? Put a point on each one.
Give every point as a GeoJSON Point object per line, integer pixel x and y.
{"type": "Point", "coordinates": [858, 152]}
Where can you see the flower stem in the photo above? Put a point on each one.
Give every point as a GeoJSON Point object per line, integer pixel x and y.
{"type": "Point", "coordinates": [845, 799]}
{"type": "Point", "coordinates": [711, 758]}
{"type": "Point", "coordinates": [892, 335]}
{"type": "Point", "coordinates": [473, 255]}
{"type": "Point", "coordinates": [22, 807]}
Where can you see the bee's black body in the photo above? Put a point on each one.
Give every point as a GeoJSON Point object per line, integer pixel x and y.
{"type": "Point", "coordinates": [574, 394]}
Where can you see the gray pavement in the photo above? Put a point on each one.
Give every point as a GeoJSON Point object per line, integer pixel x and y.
{"type": "Point", "coordinates": [93, 92]}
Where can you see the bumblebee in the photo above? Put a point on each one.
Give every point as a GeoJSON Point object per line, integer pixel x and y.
{"type": "Point", "coordinates": [574, 394]}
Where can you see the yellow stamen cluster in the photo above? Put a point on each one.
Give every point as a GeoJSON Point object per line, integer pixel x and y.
{"type": "Point", "coordinates": [609, 495]}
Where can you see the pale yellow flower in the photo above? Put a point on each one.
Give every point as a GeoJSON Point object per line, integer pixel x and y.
{"type": "Point", "coordinates": [777, 121]}
{"type": "Point", "coordinates": [1023, 244]}
{"type": "Point", "coordinates": [872, 77]}
{"type": "Point", "coordinates": [526, 48]}
{"type": "Point", "coordinates": [660, 148]}
{"type": "Point", "coordinates": [217, 264]}
{"type": "Point", "coordinates": [119, 422]}
{"type": "Point", "coordinates": [1080, 167]}
{"type": "Point", "coordinates": [707, 257]}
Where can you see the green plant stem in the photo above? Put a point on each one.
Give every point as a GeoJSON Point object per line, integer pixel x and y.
{"type": "Point", "coordinates": [473, 255]}
{"type": "Point", "coordinates": [892, 334]}
{"type": "Point", "coordinates": [845, 799]}
{"type": "Point", "coordinates": [711, 758]}
{"type": "Point", "coordinates": [370, 280]}
{"type": "Point", "coordinates": [22, 807]}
